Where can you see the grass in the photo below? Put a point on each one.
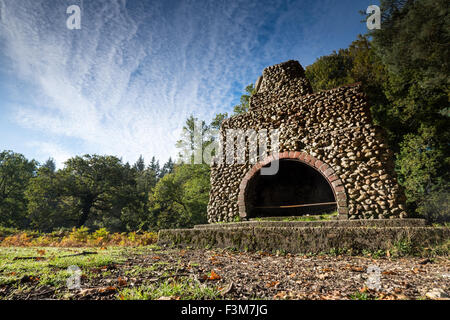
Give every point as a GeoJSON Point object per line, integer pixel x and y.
{"type": "Point", "coordinates": [360, 296]}
{"type": "Point", "coordinates": [50, 268]}
{"type": "Point", "coordinates": [314, 217]}
{"type": "Point", "coordinates": [183, 290]}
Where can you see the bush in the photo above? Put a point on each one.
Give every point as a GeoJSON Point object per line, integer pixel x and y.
{"type": "Point", "coordinates": [436, 208]}
{"type": "Point", "coordinates": [4, 231]}
{"type": "Point", "coordinates": [100, 236]}
{"type": "Point", "coordinates": [76, 238]}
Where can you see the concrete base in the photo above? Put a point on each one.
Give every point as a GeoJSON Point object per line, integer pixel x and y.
{"type": "Point", "coordinates": [309, 236]}
{"type": "Point", "coordinates": [318, 223]}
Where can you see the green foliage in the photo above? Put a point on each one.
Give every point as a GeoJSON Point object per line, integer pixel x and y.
{"type": "Point", "coordinates": [76, 237]}
{"type": "Point", "coordinates": [101, 233]}
{"type": "Point", "coordinates": [403, 248]}
{"type": "Point", "coordinates": [15, 173]}
{"type": "Point", "coordinates": [195, 138]}
{"type": "Point", "coordinates": [79, 234]}
{"type": "Point", "coordinates": [100, 192]}
{"type": "Point", "coordinates": [134, 215]}
{"type": "Point", "coordinates": [357, 63]}
{"type": "Point", "coordinates": [89, 190]}
{"type": "Point", "coordinates": [139, 166]}
{"type": "Point", "coordinates": [218, 119]}
{"type": "Point", "coordinates": [360, 296]}
{"type": "Point", "coordinates": [180, 198]}
{"type": "Point", "coordinates": [97, 185]}
{"type": "Point", "coordinates": [330, 71]}
{"type": "Point", "coordinates": [422, 165]}
{"type": "Point", "coordinates": [404, 71]}
{"type": "Point", "coordinates": [413, 45]}
{"type": "Point", "coordinates": [186, 290]}
{"type": "Point", "coordinates": [245, 100]}
{"type": "Point", "coordinates": [238, 109]}
{"type": "Point", "coordinates": [46, 208]}
{"type": "Point", "coordinates": [167, 168]}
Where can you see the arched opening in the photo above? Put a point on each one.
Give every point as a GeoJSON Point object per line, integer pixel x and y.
{"type": "Point", "coordinates": [296, 189]}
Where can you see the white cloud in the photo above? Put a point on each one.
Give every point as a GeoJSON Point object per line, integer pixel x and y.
{"type": "Point", "coordinates": [59, 154]}
{"type": "Point", "coordinates": [125, 83]}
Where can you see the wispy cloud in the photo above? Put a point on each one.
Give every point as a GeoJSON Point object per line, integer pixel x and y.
{"type": "Point", "coordinates": [125, 83]}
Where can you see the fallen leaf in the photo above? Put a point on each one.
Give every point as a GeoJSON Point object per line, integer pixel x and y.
{"type": "Point", "coordinates": [357, 269]}
{"type": "Point", "coordinates": [389, 273]}
{"type": "Point", "coordinates": [272, 284]}
{"type": "Point", "coordinates": [214, 276]}
{"type": "Point", "coordinates": [41, 252]}
{"type": "Point", "coordinates": [122, 282]}
{"type": "Point", "coordinates": [108, 289]}
{"type": "Point", "coordinates": [280, 295]}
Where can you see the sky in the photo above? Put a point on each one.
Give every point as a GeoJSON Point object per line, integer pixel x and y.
{"type": "Point", "coordinates": [125, 82]}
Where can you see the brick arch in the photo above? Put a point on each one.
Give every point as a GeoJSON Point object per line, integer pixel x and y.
{"type": "Point", "coordinates": [324, 169]}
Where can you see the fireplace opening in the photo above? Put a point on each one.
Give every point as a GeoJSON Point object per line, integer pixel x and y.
{"type": "Point", "coordinates": [296, 189]}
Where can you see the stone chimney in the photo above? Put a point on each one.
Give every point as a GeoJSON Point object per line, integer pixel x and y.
{"type": "Point", "coordinates": [279, 83]}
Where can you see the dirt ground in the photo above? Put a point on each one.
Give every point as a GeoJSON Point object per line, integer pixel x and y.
{"type": "Point", "coordinates": [156, 273]}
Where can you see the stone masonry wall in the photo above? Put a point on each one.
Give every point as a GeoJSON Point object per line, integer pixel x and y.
{"type": "Point", "coordinates": [332, 128]}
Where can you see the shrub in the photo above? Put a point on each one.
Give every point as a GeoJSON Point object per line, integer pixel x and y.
{"type": "Point", "coordinates": [77, 238]}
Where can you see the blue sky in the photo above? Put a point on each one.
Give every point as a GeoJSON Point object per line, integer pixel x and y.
{"type": "Point", "coordinates": [125, 83]}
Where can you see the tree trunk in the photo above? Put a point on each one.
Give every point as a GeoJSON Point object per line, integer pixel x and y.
{"type": "Point", "coordinates": [85, 213]}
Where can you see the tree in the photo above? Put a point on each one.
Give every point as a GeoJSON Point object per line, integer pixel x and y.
{"type": "Point", "coordinates": [195, 138]}
{"type": "Point", "coordinates": [50, 165]}
{"type": "Point", "coordinates": [139, 166]}
{"type": "Point", "coordinates": [97, 184]}
{"type": "Point", "coordinates": [423, 170]}
{"type": "Point", "coordinates": [358, 63]}
{"type": "Point", "coordinates": [167, 168]}
{"type": "Point", "coordinates": [154, 166]}
{"type": "Point", "coordinates": [218, 119]}
{"type": "Point", "coordinates": [180, 198]}
{"type": "Point", "coordinates": [330, 71]}
{"type": "Point", "coordinates": [245, 100]}
{"type": "Point", "coordinates": [134, 214]}
{"type": "Point", "coordinates": [47, 209]}
{"type": "Point", "coordinates": [413, 45]}
{"type": "Point", "coordinates": [15, 173]}
{"type": "Point", "coordinates": [404, 70]}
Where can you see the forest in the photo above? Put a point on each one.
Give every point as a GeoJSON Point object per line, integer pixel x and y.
{"type": "Point", "coordinates": [404, 68]}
